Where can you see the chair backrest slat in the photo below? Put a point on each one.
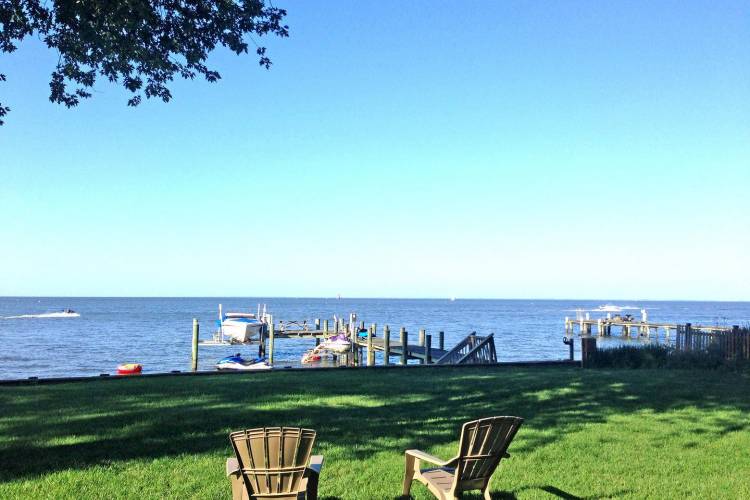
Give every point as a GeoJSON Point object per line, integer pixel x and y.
{"type": "Point", "coordinates": [483, 444]}
{"type": "Point", "coordinates": [272, 460]}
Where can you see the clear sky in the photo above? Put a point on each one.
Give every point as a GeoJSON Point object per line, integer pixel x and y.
{"type": "Point", "coordinates": [402, 149]}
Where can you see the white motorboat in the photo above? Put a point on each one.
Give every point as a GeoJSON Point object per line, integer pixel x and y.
{"type": "Point", "coordinates": [609, 308]}
{"type": "Point", "coordinates": [241, 327]}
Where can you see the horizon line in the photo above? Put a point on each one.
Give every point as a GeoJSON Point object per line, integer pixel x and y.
{"type": "Point", "coordinates": [519, 299]}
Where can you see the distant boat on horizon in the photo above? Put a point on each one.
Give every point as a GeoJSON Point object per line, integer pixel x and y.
{"type": "Point", "coordinates": [614, 308]}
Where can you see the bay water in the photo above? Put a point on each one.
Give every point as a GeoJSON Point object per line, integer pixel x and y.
{"type": "Point", "coordinates": [34, 341]}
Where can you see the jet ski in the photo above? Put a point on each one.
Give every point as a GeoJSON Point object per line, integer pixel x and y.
{"type": "Point", "coordinates": [337, 343]}
{"type": "Point", "coordinates": [237, 362]}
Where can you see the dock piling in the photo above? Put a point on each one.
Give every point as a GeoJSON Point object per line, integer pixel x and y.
{"type": "Point", "coordinates": [262, 341]}
{"type": "Point", "coordinates": [588, 348]}
{"type": "Point", "coordinates": [569, 342]}
{"type": "Point", "coordinates": [421, 341]}
{"type": "Point", "coordinates": [370, 351]}
{"type": "Point", "coordinates": [386, 345]}
{"type": "Point", "coordinates": [325, 327]}
{"type": "Point", "coordinates": [404, 345]}
{"type": "Point", "coordinates": [428, 349]}
{"type": "Point", "coordinates": [196, 328]}
{"type": "Point", "coordinates": [270, 339]}
{"type": "Point", "coordinates": [441, 340]}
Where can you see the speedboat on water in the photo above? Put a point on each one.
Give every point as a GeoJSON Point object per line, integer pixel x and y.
{"type": "Point", "coordinates": [241, 327]}
{"type": "Point", "coordinates": [237, 362]}
{"type": "Point", "coordinates": [609, 308]}
{"type": "Point", "coordinates": [65, 313]}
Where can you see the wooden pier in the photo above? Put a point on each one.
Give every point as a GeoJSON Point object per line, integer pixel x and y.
{"type": "Point", "coordinates": [471, 350]}
{"type": "Point", "coordinates": [365, 343]}
{"type": "Point", "coordinates": [603, 327]}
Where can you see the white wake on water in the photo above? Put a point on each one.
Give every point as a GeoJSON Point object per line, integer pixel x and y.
{"type": "Point", "coordinates": [608, 308]}
{"type": "Point", "coordinates": [46, 315]}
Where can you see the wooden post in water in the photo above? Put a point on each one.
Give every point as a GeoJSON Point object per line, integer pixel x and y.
{"type": "Point", "coordinates": [325, 326]}
{"type": "Point", "coordinates": [353, 338]}
{"type": "Point", "coordinates": [370, 351]}
{"type": "Point", "coordinates": [270, 338]}
{"type": "Point", "coordinates": [262, 341]}
{"type": "Point", "coordinates": [361, 325]}
{"type": "Point", "coordinates": [404, 345]}
{"type": "Point", "coordinates": [569, 341]}
{"type": "Point", "coordinates": [386, 345]}
{"type": "Point", "coordinates": [421, 340]}
{"type": "Point", "coordinates": [428, 350]}
{"type": "Point", "coordinates": [195, 345]}
{"type": "Point", "coordinates": [588, 348]}
{"type": "Point", "coordinates": [441, 340]}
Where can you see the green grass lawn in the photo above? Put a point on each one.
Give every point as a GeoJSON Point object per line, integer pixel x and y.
{"type": "Point", "coordinates": [588, 433]}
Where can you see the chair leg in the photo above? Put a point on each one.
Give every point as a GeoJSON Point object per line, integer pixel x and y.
{"type": "Point", "coordinates": [487, 495]}
{"type": "Point", "coordinates": [409, 474]}
{"type": "Point", "coordinates": [238, 486]}
{"type": "Point", "coordinates": [312, 487]}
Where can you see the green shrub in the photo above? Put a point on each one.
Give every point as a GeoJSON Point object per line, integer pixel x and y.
{"type": "Point", "coordinates": [660, 356]}
{"type": "Point", "coordinates": [650, 356]}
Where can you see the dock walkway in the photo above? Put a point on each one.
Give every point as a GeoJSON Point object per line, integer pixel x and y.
{"type": "Point", "coordinates": [412, 351]}
{"type": "Point", "coordinates": [627, 327]}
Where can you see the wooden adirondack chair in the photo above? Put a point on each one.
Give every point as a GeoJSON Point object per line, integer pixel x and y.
{"type": "Point", "coordinates": [274, 463]}
{"type": "Point", "coordinates": [483, 444]}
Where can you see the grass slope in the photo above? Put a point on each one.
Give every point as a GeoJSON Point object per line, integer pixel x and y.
{"type": "Point", "coordinates": [588, 433]}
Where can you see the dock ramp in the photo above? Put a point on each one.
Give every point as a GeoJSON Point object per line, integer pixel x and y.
{"type": "Point", "coordinates": [471, 350]}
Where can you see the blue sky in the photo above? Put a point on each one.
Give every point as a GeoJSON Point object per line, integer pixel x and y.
{"type": "Point", "coordinates": [403, 149]}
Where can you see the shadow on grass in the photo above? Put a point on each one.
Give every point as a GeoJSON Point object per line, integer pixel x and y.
{"type": "Point", "coordinates": [48, 428]}
{"type": "Point", "coordinates": [552, 490]}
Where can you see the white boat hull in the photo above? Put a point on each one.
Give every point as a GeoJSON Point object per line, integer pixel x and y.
{"type": "Point", "coordinates": [242, 367]}
{"type": "Point", "coordinates": [240, 330]}
{"type": "Point", "coordinates": [337, 346]}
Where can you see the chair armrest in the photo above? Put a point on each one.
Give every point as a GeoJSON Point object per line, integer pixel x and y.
{"type": "Point", "coordinates": [233, 466]}
{"type": "Point", "coordinates": [421, 455]}
{"type": "Point", "coordinates": [316, 464]}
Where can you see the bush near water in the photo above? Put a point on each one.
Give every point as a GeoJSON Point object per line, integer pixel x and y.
{"type": "Point", "coordinates": [713, 357]}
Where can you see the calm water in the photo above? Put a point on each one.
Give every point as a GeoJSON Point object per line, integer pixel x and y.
{"type": "Point", "coordinates": [157, 331]}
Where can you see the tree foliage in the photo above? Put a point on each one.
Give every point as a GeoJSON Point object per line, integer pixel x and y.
{"type": "Point", "coordinates": [139, 44]}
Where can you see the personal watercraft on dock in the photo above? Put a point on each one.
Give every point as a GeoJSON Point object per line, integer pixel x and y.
{"type": "Point", "coordinates": [338, 344]}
